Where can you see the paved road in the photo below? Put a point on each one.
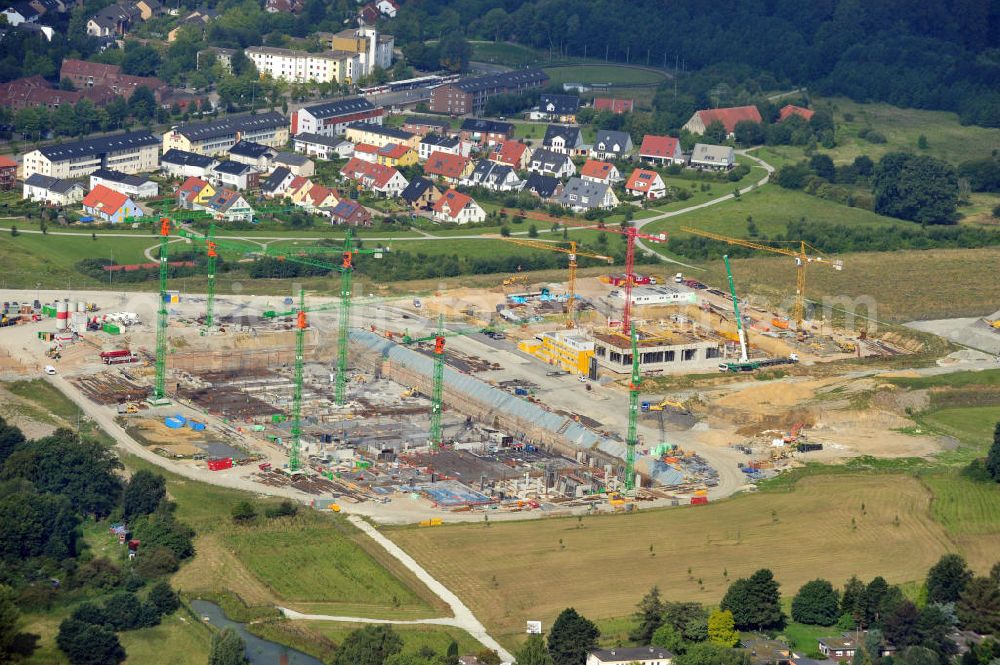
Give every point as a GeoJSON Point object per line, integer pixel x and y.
{"type": "Point", "coordinates": [463, 617]}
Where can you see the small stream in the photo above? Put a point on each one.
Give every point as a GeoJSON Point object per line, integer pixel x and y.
{"type": "Point", "coordinates": [259, 651]}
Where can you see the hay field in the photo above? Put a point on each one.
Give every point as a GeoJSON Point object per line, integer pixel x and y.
{"type": "Point", "coordinates": [514, 571]}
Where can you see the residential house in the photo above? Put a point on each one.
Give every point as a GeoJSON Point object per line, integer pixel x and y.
{"type": "Point", "coordinates": [133, 186]}
{"type": "Point", "coordinates": [252, 154]}
{"type": "Point", "coordinates": [373, 49]}
{"type": "Point", "coordinates": [324, 147]}
{"type": "Point", "coordinates": [85, 75]}
{"type": "Point", "coordinates": [235, 175]}
{"type": "Point", "coordinates": [700, 121]}
{"type": "Point", "coordinates": [662, 150]}
{"type": "Point", "coordinates": [350, 213]}
{"type": "Point", "coordinates": [610, 144]}
{"type": "Point", "coordinates": [469, 95]}
{"type": "Point", "coordinates": [599, 171]}
{"type": "Point", "coordinates": [420, 194]}
{"type": "Point", "coordinates": [194, 193]}
{"type": "Point", "coordinates": [148, 9]}
{"type": "Point", "coordinates": [114, 21]}
{"type": "Point", "coordinates": [564, 139]}
{"type": "Point", "coordinates": [448, 168]}
{"type": "Point", "coordinates": [493, 176]}
{"type": "Point", "coordinates": [131, 152]}
{"type": "Point", "coordinates": [366, 152]}
{"type": "Point", "coordinates": [183, 164]}
{"type": "Point", "coordinates": [378, 136]}
{"type": "Point", "coordinates": [368, 14]}
{"type": "Point", "coordinates": [20, 12]}
{"type": "Point", "coordinates": [53, 191]}
{"type": "Point", "coordinates": [718, 157]}
{"type": "Point", "coordinates": [378, 178]}
{"type": "Point", "coordinates": [628, 655]}
{"type": "Point", "coordinates": [197, 19]}
{"type": "Point", "coordinates": [298, 190]}
{"type": "Point", "coordinates": [216, 55]}
{"type": "Point", "coordinates": [424, 125]}
{"type": "Point", "coordinates": [788, 110]}
{"type": "Point", "coordinates": [297, 164]}
{"type": "Point", "coordinates": [647, 184]}
{"type": "Point", "coordinates": [387, 7]}
{"type": "Point", "coordinates": [8, 173]}
{"type": "Point", "coordinates": [763, 651]}
{"type": "Point", "coordinates": [614, 105]}
{"type": "Point", "coordinates": [485, 132]}
{"type": "Point", "coordinates": [108, 205]}
{"type": "Point", "coordinates": [332, 118]}
{"type": "Point", "coordinates": [34, 91]}
{"type": "Point", "coordinates": [582, 195]}
{"type": "Point", "coordinates": [276, 184]}
{"type": "Point", "coordinates": [551, 163]}
{"type": "Point", "coordinates": [557, 108]}
{"type": "Point", "coordinates": [544, 187]}
{"type": "Point", "coordinates": [229, 206]}
{"type": "Point", "coordinates": [320, 196]}
{"type": "Point", "coordinates": [451, 145]}
{"type": "Point", "coordinates": [453, 206]}
{"type": "Point", "coordinates": [512, 153]}
{"type": "Point", "coordinates": [843, 647]}
{"type": "Point", "coordinates": [283, 6]}
{"type": "Point", "coordinates": [297, 66]}
{"type": "Point", "coordinates": [397, 155]}
{"type": "Point", "coordinates": [216, 137]}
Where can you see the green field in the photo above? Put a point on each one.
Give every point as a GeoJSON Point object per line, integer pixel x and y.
{"type": "Point", "coordinates": [973, 424]}
{"type": "Point", "coordinates": [968, 510]}
{"type": "Point", "coordinates": [505, 53]}
{"type": "Point", "coordinates": [989, 377]}
{"type": "Point", "coordinates": [50, 259]}
{"type": "Point", "coordinates": [516, 570]}
{"type": "Point", "coordinates": [616, 75]}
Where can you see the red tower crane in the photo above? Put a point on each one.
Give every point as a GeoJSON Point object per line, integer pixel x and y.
{"type": "Point", "coordinates": [631, 234]}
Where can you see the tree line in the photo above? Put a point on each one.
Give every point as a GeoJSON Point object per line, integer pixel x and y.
{"type": "Point", "coordinates": [48, 488]}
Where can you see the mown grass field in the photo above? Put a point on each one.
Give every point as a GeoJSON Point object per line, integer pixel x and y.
{"type": "Point", "coordinates": [969, 511]}
{"type": "Point", "coordinates": [504, 53]}
{"type": "Point", "coordinates": [618, 75]}
{"type": "Point", "coordinates": [510, 572]}
{"type": "Point", "coordinates": [971, 424]}
{"type": "Point", "coordinates": [50, 259]}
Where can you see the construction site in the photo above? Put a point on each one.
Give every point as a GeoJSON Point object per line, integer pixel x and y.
{"type": "Point", "coordinates": [524, 397]}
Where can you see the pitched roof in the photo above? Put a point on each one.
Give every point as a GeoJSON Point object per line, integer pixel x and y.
{"type": "Point", "coordinates": [509, 152]}
{"type": "Point", "coordinates": [512, 79]}
{"type": "Point", "coordinates": [230, 167]}
{"type": "Point", "coordinates": [379, 174]}
{"type": "Point", "coordinates": [328, 141]}
{"type": "Point", "coordinates": [192, 184]}
{"type": "Point", "coordinates": [87, 147]}
{"type": "Point", "coordinates": [424, 121]}
{"type": "Point", "coordinates": [273, 181]}
{"type": "Point", "coordinates": [185, 158]}
{"type": "Point", "coordinates": [394, 150]}
{"type": "Point", "coordinates": [346, 208]}
{"type": "Point", "coordinates": [339, 107]}
{"type": "Point", "coordinates": [7, 162]}
{"type": "Point", "coordinates": [123, 178]}
{"type": "Point", "coordinates": [642, 180]}
{"type": "Point", "coordinates": [658, 146]}
{"type": "Point", "coordinates": [543, 185]}
{"type": "Point", "coordinates": [597, 169]}
{"type": "Point", "coordinates": [202, 131]}
{"type": "Point", "coordinates": [711, 153]}
{"type": "Point", "coordinates": [441, 141]}
{"type": "Point", "coordinates": [487, 171]}
{"type": "Point", "coordinates": [558, 104]}
{"type": "Point", "coordinates": [789, 110]}
{"type": "Point", "coordinates": [366, 149]}
{"type": "Point", "coordinates": [390, 132]}
{"type": "Point", "coordinates": [571, 135]}
{"type": "Point", "coordinates": [104, 199]}
{"type": "Point", "coordinates": [52, 184]}
{"type": "Point", "coordinates": [445, 164]}
{"type": "Point", "coordinates": [549, 159]}
{"type": "Point", "coordinates": [452, 203]}
{"type": "Point", "coordinates": [730, 116]}
{"type": "Point", "coordinates": [291, 158]}
{"type": "Point", "coordinates": [629, 654]}
{"type": "Point", "coordinates": [318, 194]}
{"type": "Point", "coordinates": [610, 138]}
{"type": "Point", "coordinates": [416, 189]}
{"type": "Point", "coordinates": [481, 126]}
{"type": "Point", "coordinates": [614, 105]}
{"type": "Point", "coordinates": [74, 67]}
{"type": "Point", "coordinates": [577, 189]}
{"type": "Point", "coordinates": [223, 200]}
{"type": "Point", "coordinates": [250, 149]}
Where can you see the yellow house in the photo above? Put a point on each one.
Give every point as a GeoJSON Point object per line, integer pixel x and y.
{"type": "Point", "coordinates": [298, 191]}
{"type": "Point", "coordinates": [379, 136]}
{"type": "Point", "coordinates": [566, 349]}
{"type": "Point", "coordinates": [194, 193]}
{"type": "Point", "coordinates": [397, 154]}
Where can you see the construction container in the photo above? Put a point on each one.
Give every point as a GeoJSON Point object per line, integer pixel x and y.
{"type": "Point", "coordinates": [266, 466]}
{"type": "Point", "coordinates": [196, 426]}
{"type": "Point", "coordinates": [49, 311]}
{"type": "Point", "coordinates": [699, 500]}
{"type": "Point", "coordinates": [173, 422]}
{"type": "Point", "coordinates": [111, 329]}
{"type": "Point", "coordinates": [809, 447]}
{"type": "Point", "coordinates": [220, 464]}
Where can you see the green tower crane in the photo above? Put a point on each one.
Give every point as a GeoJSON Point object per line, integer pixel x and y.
{"type": "Point", "coordinates": [632, 437]}
{"type": "Point", "coordinates": [300, 335]}
{"type": "Point", "coordinates": [210, 248]}
{"type": "Point", "coordinates": [159, 386]}
{"type": "Point", "coordinates": [437, 386]}
{"type": "Point", "coordinates": [744, 364]}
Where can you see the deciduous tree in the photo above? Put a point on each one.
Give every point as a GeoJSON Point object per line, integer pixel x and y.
{"type": "Point", "coordinates": [228, 648]}
{"type": "Point", "coordinates": [370, 645]}
{"type": "Point", "coordinates": [143, 494]}
{"type": "Point", "coordinates": [755, 602]}
{"type": "Point", "coordinates": [816, 603]}
{"type": "Point", "coordinates": [534, 652]}
{"type": "Point", "coordinates": [722, 629]}
{"type": "Point", "coordinates": [571, 638]}
{"type": "Point", "coordinates": [88, 644]}
{"type": "Point", "coordinates": [947, 578]}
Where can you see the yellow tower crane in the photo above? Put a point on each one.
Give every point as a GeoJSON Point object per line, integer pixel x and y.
{"type": "Point", "coordinates": [801, 256]}
{"type": "Point", "coordinates": [553, 246]}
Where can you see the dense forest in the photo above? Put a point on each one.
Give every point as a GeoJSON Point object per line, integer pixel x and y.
{"type": "Point", "coordinates": [937, 54]}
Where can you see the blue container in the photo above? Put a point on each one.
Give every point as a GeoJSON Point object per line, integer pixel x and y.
{"type": "Point", "coordinates": [520, 391]}
{"type": "Point", "coordinates": [181, 418]}
{"type": "Point", "coordinates": [196, 426]}
{"type": "Point", "coordinates": [173, 423]}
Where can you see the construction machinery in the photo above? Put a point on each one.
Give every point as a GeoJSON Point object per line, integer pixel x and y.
{"type": "Point", "coordinates": [662, 405]}
{"type": "Point", "coordinates": [551, 246]}
{"type": "Point", "coordinates": [300, 336]}
{"type": "Point", "coordinates": [631, 235]}
{"type": "Point", "coordinates": [801, 255]}
{"type": "Point", "coordinates": [162, 317]}
{"type": "Point", "coordinates": [632, 436]}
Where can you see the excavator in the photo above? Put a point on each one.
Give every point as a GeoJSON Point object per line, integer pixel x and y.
{"type": "Point", "coordinates": [662, 405]}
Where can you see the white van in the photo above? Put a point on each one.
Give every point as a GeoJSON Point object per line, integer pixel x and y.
{"type": "Point", "coordinates": [50, 370]}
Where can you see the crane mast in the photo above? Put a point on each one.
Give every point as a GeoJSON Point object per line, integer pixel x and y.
{"type": "Point", "coordinates": [741, 333]}
{"type": "Point", "coordinates": [159, 386]}
{"type": "Point", "coordinates": [632, 437]}
{"type": "Point", "coordinates": [210, 299]}
{"type": "Point", "coordinates": [300, 335]}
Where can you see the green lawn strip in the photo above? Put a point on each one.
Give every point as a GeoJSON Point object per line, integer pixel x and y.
{"type": "Point", "coordinates": [504, 53]}
{"type": "Point", "coordinates": [180, 639]}
{"type": "Point", "coordinates": [989, 377]}
{"type": "Point", "coordinates": [51, 260]}
{"type": "Point", "coordinates": [617, 74]}
{"type": "Point", "coordinates": [972, 425]}
{"type": "Point", "coordinates": [962, 505]}
{"type": "Point", "coordinates": [47, 397]}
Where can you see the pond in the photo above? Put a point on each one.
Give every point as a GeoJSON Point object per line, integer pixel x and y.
{"type": "Point", "coordinates": [259, 650]}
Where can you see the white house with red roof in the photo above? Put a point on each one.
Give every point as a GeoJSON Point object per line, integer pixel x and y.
{"type": "Point", "coordinates": [512, 153]}
{"type": "Point", "coordinates": [459, 208]}
{"type": "Point", "coordinates": [700, 121]}
{"type": "Point", "coordinates": [108, 205]}
{"type": "Point", "coordinates": [378, 178]}
{"type": "Point", "coordinates": [598, 171]}
{"type": "Point", "coordinates": [788, 110]}
{"type": "Point", "coordinates": [661, 150]}
{"type": "Point", "coordinates": [366, 152]}
{"type": "Point", "coordinates": [646, 183]}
